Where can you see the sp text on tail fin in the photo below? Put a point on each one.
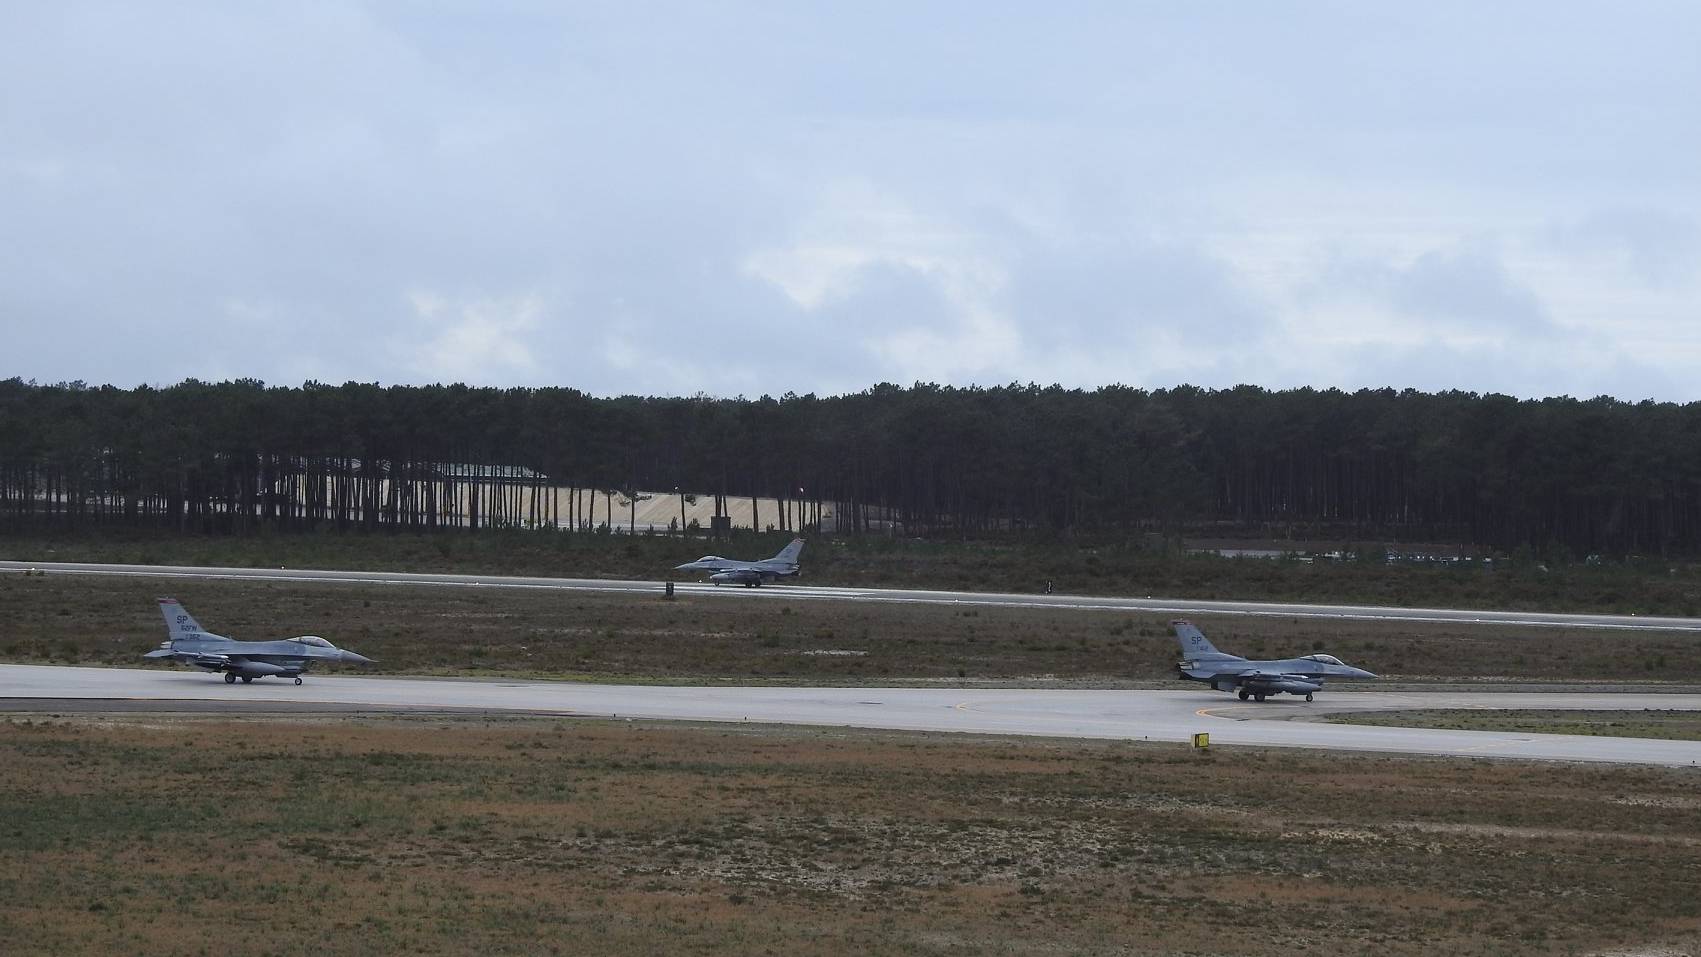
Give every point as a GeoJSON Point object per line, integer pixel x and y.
{"type": "Point", "coordinates": [1193, 642]}
{"type": "Point", "coordinates": [178, 622]}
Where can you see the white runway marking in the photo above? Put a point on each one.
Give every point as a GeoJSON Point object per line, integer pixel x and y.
{"type": "Point", "coordinates": [1171, 716]}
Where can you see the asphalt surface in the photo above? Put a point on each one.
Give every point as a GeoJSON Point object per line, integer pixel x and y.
{"type": "Point", "coordinates": [1130, 715]}
{"type": "Point", "coordinates": [792, 592]}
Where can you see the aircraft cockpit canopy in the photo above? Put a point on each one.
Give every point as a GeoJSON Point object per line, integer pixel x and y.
{"type": "Point", "coordinates": [1324, 659]}
{"type": "Point", "coordinates": [711, 558]}
{"type": "Point", "coordinates": [313, 640]}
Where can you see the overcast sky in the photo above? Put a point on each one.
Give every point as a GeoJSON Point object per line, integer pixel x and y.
{"type": "Point", "coordinates": [759, 198]}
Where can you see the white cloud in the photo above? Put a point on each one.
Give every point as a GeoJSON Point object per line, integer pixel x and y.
{"type": "Point", "coordinates": [483, 341]}
{"type": "Point", "coordinates": [1463, 295]}
{"type": "Point", "coordinates": [918, 294]}
{"type": "Point", "coordinates": [855, 225]}
{"type": "Point", "coordinates": [1657, 248]}
{"type": "Point", "coordinates": [762, 198]}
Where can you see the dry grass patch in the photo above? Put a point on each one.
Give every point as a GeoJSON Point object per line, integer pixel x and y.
{"type": "Point", "coordinates": [630, 637]}
{"type": "Point", "coordinates": [1671, 725]}
{"type": "Point", "coordinates": [525, 835]}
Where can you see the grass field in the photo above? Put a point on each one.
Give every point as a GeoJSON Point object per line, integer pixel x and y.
{"type": "Point", "coordinates": [1672, 725]}
{"type": "Point", "coordinates": [173, 834]}
{"type": "Point", "coordinates": [1115, 567]}
{"type": "Point", "coordinates": [430, 630]}
{"type": "Point", "coordinates": [378, 835]}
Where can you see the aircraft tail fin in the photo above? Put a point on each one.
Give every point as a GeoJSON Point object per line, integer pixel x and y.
{"type": "Point", "coordinates": [1193, 641]}
{"type": "Point", "coordinates": [789, 553]}
{"type": "Point", "coordinates": [178, 622]}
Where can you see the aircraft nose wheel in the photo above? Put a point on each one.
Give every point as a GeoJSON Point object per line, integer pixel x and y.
{"type": "Point", "coordinates": [1308, 697]}
{"type": "Point", "coordinates": [298, 681]}
{"type": "Point", "coordinates": [247, 680]}
{"type": "Point", "coordinates": [230, 678]}
{"type": "Point", "coordinates": [1243, 694]}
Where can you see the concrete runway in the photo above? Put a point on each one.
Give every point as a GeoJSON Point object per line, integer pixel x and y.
{"type": "Point", "coordinates": [1132, 715]}
{"type": "Point", "coordinates": [792, 592]}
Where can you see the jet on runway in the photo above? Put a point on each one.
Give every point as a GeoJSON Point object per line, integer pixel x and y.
{"type": "Point", "coordinates": [189, 643]}
{"type": "Point", "coordinates": [1255, 679]}
{"type": "Point", "coordinates": [728, 571]}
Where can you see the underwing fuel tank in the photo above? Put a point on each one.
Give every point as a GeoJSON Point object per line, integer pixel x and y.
{"type": "Point", "coordinates": [257, 669]}
{"type": "Point", "coordinates": [1294, 686]}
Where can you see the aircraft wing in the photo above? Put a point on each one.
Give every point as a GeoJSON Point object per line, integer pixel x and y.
{"type": "Point", "coordinates": [1278, 681]}
{"type": "Point", "coordinates": [1255, 676]}
{"type": "Point", "coordinates": [741, 574]}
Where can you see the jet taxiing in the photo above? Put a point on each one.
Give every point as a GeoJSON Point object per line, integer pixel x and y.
{"type": "Point", "coordinates": [1255, 679]}
{"type": "Point", "coordinates": [728, 571]}
{"type": "Point", "coordinates": [190, 644]}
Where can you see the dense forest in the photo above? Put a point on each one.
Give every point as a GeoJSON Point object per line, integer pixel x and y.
{"type": "Point", "coordinates": [1560, 476]}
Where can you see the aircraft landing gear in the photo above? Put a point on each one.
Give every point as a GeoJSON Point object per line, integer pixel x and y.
{"type": "Point", "coordinates": [298, 680]}
{"type": "Point", "coordinates": [1243, 694]}
{"type": "Point", "coordinates": [1258, 698]}
{"type": "Point", "coordinates": [247, 680]}
{"type": "Point", "coordinates": [1308, 696]}
{"type": "Point", "coordinates": [230, 677]}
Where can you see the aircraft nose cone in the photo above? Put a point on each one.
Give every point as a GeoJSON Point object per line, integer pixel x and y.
{"type": "Point", "coordinates": [351, 658]}
{"type": "Point", "coordinates": [1361, 673]}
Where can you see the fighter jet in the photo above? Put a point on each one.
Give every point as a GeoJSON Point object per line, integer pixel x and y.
{"type": "Point", "coordinates": [728, 571]}
{"type": "Point", "coordinates": [1255, 679]}
{"type": "Point", "coordinates": [189, 643]}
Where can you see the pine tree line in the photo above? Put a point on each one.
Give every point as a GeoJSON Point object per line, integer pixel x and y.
{"type": "Point", "coordinates": [1599, 475]}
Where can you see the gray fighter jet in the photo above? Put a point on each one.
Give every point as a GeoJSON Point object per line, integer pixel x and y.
{"type": "Point", "coordinates": [190, 644]}
{"type": "Point", "coordinates": [729, 571]}
{"type": "Point", "coordinates": [1254, 679]}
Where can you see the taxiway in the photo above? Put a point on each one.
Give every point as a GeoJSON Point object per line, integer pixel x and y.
{"type": "Point", "coordinates": [1129, 715]}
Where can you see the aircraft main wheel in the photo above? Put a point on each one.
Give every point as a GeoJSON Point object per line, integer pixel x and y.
{"type": "Point", "coordinates": [298, 681]}
{"type": "Point", "coordinates": [1243, 695]}
{"type": "Point", "coordinates": [247, 680]}
{"type": "Point", "coordinates": [1308, 697]}
{"type": "Point", "coordinates": [230, 677]}
{"type": "Point", "coordinates": [1258, 698]}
